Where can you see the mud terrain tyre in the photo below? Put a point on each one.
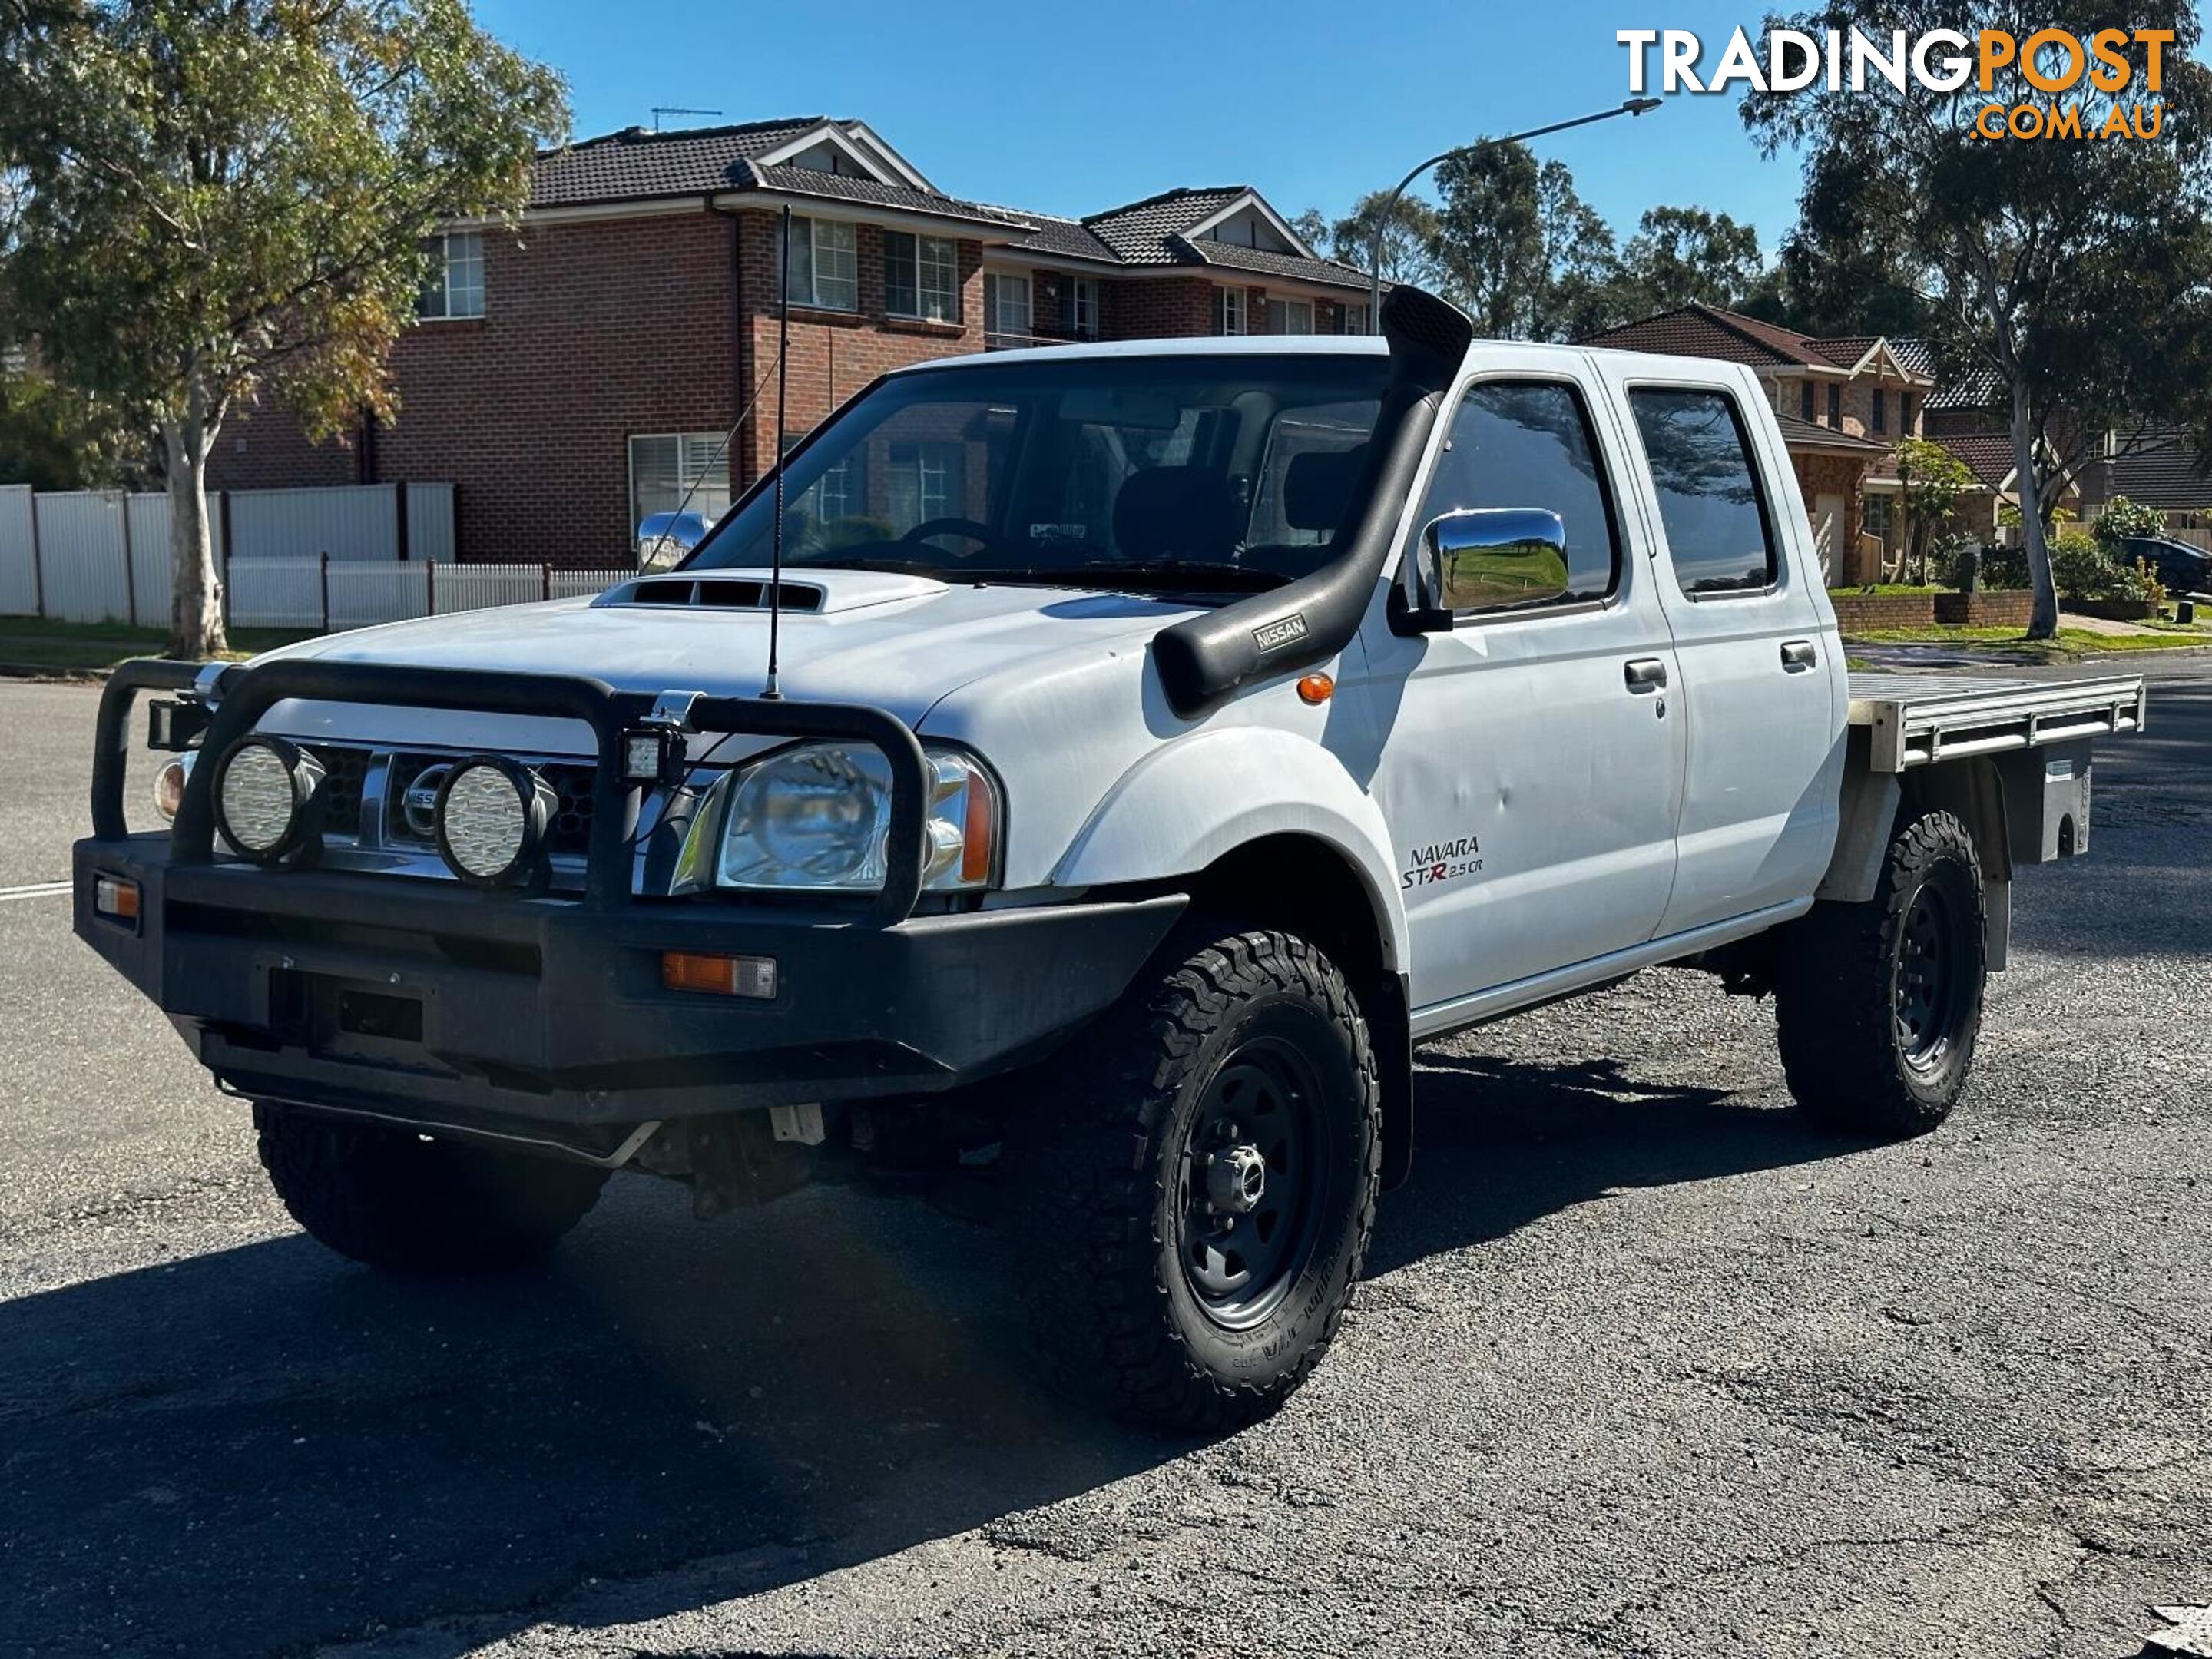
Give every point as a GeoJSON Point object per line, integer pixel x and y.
{"type": "Point", "coordinates": [1196, 1178]}
{"type": "Point", "coordinates": [1878, 1004]}
{"type": "Point", "coordinates": [398, 1201]}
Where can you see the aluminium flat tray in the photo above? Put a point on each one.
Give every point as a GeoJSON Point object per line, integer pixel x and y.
{"type": "Point", "coordinates": [1915, 719]}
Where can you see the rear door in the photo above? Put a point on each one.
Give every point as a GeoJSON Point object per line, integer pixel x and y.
{"type": "Point", "coordinates": [1531, 762]}
{"type": "Point", "coordinates": [1762, 676]}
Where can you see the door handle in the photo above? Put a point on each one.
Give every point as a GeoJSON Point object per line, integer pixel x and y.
{"type": "Point", "coordinates": [1645, 674]}
{"type": "Point", "coordinates": [1798, 655]}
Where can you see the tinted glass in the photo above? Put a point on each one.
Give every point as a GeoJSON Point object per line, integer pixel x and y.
{"type": "Point", "coordinates": [1709, 501]}
{"type": "Point", "coordinates": [1058, 467]}
{"type": "Point", "coordinates": [1528, 443]}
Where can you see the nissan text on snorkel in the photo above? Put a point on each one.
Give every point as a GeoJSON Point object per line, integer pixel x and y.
{"type": "Point", "coordinates": [1101, 764]}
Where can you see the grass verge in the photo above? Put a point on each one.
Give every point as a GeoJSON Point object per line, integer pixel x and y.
{"type": "Point", "coordinates": [2072, 644]}
{"type": "Point", "coordinates": [29, 644]}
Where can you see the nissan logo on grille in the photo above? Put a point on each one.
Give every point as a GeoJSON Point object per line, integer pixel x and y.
{"type": "Point", "coordinates": [420, 803]}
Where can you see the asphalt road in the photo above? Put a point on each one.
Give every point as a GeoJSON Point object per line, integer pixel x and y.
{"type": "Point", "coordinates": [1644, 1365]}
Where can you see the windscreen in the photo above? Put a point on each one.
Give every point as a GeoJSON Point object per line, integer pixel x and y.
{"type": "Point", "coordinates": [1230, 472]}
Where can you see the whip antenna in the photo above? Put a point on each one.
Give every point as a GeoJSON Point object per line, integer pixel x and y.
{"type": "Point", "coordinates": [772, 691]}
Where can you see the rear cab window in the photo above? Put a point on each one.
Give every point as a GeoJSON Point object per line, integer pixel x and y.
{"type": "Point", "coordinates": [1713, 511]}
{"type": "Point", "coordinates": [1530, 443]}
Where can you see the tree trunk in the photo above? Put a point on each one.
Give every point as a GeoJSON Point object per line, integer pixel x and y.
{"type": "Point", "coordinates": [195, 630]}
{"type": "Point", "coordinates": [2042, 619]}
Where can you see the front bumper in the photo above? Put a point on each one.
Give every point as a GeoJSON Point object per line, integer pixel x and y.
{"type": "Point", "coordinates": [421, 998]}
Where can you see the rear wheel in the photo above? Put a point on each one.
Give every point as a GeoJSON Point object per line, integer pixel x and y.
{"type": "Point", "coordinates": [1197, 1178]}
{"type": "Point", "coordinates": [1879, 1004]}
{"type": "Point", "coordinates": [399, 1200]}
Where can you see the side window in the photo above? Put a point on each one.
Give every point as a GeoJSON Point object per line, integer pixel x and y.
{"type": "Point", "coordinates": [1709, 502]}
{"type": "Point", "coordinates": [1529, 444]}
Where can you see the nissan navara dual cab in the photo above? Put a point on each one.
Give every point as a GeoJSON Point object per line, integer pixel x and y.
{"type": "Point", "coordinates": [1171, 735]}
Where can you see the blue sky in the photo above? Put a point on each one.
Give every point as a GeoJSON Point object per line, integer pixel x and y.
{"type": "Point", "coordinates": [1072, 107]}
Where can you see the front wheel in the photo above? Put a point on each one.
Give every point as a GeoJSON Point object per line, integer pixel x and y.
{"type": "Point", "coordinates": [410, 1204]}
{"type": "Point", "coordinates": [1877, 1004]}
{"type": "Point", "coordinates": [1197, 1177]}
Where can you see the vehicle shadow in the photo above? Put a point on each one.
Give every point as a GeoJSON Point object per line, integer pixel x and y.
{"type": "Point", "coordinates": [263, 1447]}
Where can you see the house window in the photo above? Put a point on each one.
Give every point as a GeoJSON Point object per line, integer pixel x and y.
{"type": "Point", "coordinates": [921, 277]}
{"type": "Point", "coordinates": [664, 467]}
{"type": "Point", "coordinates": [1874, 516]}
{"type": "Point", "coordinates": [1290, 316]}
{"type": "Point", "coordinates": [1835, 406]}
{"type": "Point", "coordinates": [1805, 399]}
{"type": "Point", "coordinates": [1083, 307]}
{"type": "Point", "coordinates": [1355, 320]}
{"type": "Point", "coordinates": [1229, 311]}
{"type": "Point", "coordinates": [825, 269]}
{"type": "Point", "coordinates": [1905, 413]}
{"type": "Point", "coordinates": [1006, 305]}
{"type": "Point", "coordinates": [453, 287]}
{"type": "Point", "coordinates": [1881, 411]}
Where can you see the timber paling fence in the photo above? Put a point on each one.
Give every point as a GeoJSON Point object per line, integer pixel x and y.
{"type": "Point", "coordinates": [301, 559]}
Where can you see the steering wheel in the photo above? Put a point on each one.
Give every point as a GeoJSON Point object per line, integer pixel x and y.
{"type": "Point", "coordinates": [968, 528]}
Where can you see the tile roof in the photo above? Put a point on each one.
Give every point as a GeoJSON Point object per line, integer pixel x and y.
{"type": "Point", "coordinates": [847, 187]}
{"type": "Point", "coordinates": [1698, 331]}
{"type": "Point", "coordinates": [1808, 434]}
{"type": "Point", "coordinates": [1140, 232]}
{"type": "Point", "coordinates": [1702, 331]}
{"type": "Point", "coordinates": [638, 166]}
{"type": "Point", "coordinates": [2169, 473]}
{"type": "Point", "coordinates": [1233, 256]}
{"type": "Point", "coordinates": [1987, 456]}
{"type": "Point", "coordinates": [635, 165]}
{"type": "Point", "coordinates": [1068, 238]}
{"type": "Point", "coordinates": [1977, 389]}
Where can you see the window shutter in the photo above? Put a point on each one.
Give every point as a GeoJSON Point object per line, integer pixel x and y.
{"type": "Point", "coordinates": [990, 303]}
{"type": "Point", "coordinates": [1220, 311]}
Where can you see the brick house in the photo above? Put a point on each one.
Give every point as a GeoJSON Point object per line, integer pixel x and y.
{"type": "Point", "coordinates": [1843, 404]}
{"type": "Point", "coordinates": [574, 378]}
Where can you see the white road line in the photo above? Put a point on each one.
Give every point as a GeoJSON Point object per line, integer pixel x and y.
{"type": "Point", "coordinates": [43, 890]}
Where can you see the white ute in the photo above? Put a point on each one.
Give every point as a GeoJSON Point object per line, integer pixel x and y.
{"type": "Point", "coordinates": [1170, 735]}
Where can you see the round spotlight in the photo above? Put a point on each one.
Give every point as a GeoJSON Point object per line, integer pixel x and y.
{"type": "Point", "coordinates": [269, 798]}
{"type": "Point", "coordinates": [492, 815]}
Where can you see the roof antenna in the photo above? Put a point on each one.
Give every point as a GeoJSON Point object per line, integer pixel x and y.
{"type": "Point", "coordinates": [772, 692]}
{"type": "Point", "coordinates": [660, 110]}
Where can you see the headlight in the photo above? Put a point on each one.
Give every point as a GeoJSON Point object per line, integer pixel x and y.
{"type": "Point", "coordinates": [815, 817]}
{"type": "Point", "coordinates": [169, 782]}
{"type": "Point", "coordinates": [269, 798]}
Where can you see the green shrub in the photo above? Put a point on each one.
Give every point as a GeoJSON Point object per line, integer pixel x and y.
{"type": "Point", "coordinates": [2122, 518]}
{"type": "Point", "coordinates": [2082, 568]}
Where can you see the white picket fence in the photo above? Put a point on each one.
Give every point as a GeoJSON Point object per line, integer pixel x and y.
{"type": "Point", "coordinates": [326, 594]}
{"type": "Point", "coordinates": [306, 559]}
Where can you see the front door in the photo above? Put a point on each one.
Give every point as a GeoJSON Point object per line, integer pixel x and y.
{"type": "Point", "coordinates": [1531, 760]}
{"type": "Point", "coordinates": [1763, 681]}
{"type": "Point", "coordinates": [1828, 537]}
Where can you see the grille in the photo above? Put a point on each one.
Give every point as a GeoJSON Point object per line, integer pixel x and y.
{"type": "Point", "coordinates": [343, 772]}
{"type": "Point", "coordinates": [570, 782]}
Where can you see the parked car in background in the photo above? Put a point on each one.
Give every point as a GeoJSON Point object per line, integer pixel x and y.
{"type": "Point", "coordinates": [2180, 568]}
{"type": "Point", "coordinates": [663, 538]}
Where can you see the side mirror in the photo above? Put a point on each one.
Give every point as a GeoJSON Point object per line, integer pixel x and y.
{"type": "Point", "coordinates": [1484, 558]}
